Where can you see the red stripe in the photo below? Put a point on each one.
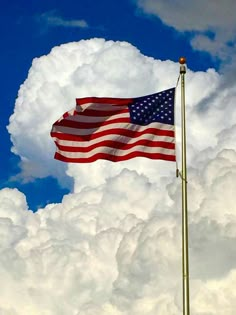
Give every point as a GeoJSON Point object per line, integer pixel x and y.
{"type": "Point", "coordinates": [104, 156]}
{"type": "Point", "coordinates": [104, 100]}
{"type": "Point", "coordinates": [118, 145]}
{"type": "Point", "coordinates": [115, 131]}
{"type": "Point", "coordinates": [89, 125]}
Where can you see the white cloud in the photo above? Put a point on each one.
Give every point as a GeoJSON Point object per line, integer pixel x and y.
{"type": "Point", "coordinates": [213, 22]}
{"type": "Point", "coordinates": [52, 19]}
{"type": "Point", "coordinates": [113, 246]}
{"type": "Point", "coordinates": [99, 68]}
{"type": "Point", "coordinates": [192, 15]}
{"type": "Point", "coordinates": [116, 249]}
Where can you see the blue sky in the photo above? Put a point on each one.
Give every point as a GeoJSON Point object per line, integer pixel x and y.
{"type": "Point", "coordinates": [30, 30]}
{"type": "Point", "coordinates": [105, 238]}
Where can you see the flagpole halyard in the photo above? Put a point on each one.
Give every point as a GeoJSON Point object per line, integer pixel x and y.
{"type": "Point", "coordinates": [185, 255]}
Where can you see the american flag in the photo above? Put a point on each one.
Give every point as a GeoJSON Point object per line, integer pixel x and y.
{"type": "Point", "coordinates": [117, 129]}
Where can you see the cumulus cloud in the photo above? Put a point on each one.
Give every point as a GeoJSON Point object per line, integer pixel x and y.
{"type": "Point", "coordinates": [116, 249]}
{"type": "Point", "coordinates": [113, 246]}
{"type": "Point", "coordinates": [95, 68]}
{"type": "Point", "coordinates": [213, 23]}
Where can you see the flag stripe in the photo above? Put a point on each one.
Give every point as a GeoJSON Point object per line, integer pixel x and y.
{"type": "Point", "coordinates": [116, 152]}
{"type": "Point", "coordinates": [85, 135]}
{"type": "Point", "coordinates": [103, 100]}
{"type": "Point", "coordinates": [119, 138]}
{"type": "Point", "coordinates": [117, 127]}
{"type": "Point", "coordinates": [90, 125]}
{"type": "Point", "coordinates": [95, 116]}
{"type": "Point", "coordinates": [116, 145]}
{"type": "Point", "coordinates": [101, 109]}
{"type": "Point", "coordinates": [115, 158]}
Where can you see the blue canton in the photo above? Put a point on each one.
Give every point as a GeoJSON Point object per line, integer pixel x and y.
{"type": "Point", "coordinates": [158, 107]}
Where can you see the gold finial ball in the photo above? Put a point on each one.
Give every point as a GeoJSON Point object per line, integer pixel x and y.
{"type": "Point", "coordinates": [182, 60]}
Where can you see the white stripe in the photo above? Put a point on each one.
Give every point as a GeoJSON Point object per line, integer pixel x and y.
{"type": "Point", "coordinates": [110, 127]}
{"type": "Point", "coordinates": [122, 139]}
{"type": "Point", "coordinates": [116, 152]}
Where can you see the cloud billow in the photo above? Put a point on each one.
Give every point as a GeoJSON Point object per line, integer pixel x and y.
{"type": "Point", "coordinates": [116, 249]}
{"type": "Point", "coordinates": [89, 68]}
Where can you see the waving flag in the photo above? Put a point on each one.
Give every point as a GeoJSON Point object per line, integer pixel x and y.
{"type": "Point", "coordinates": [117, 129]}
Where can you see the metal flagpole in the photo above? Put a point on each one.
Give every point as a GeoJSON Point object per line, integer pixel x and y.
{"type": "Point", "coordinates": [185, 258]}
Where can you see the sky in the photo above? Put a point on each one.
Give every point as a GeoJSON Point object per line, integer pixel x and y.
{"type": "Point", "coordinates": [105, 238]}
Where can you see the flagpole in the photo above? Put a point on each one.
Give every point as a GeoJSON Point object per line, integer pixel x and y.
{"type": "Point", "coordinates": [185, 255]}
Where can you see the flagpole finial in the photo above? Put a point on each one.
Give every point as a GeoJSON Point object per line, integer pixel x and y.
{"type": "Point", "coordinates": [182, 60]}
